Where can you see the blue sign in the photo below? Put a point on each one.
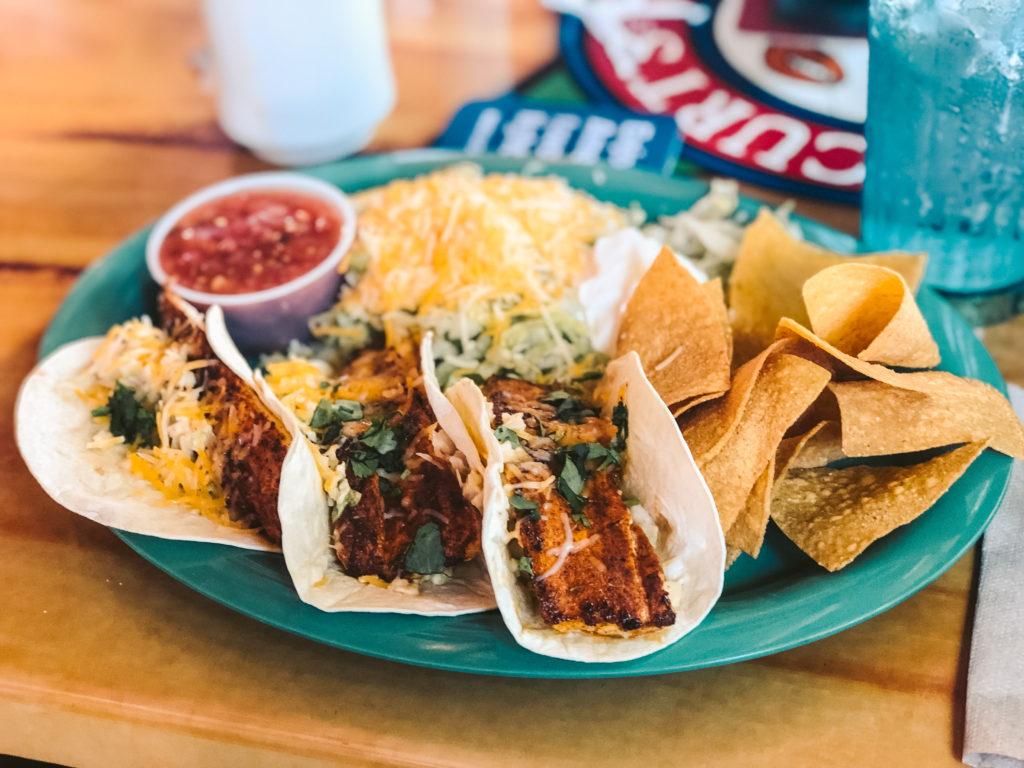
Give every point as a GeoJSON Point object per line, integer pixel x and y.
{"type": "Point", "coordinates": [577, 133]}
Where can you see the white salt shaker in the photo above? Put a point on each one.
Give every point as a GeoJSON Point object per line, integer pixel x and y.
{"type": "Point", "coordinates": [300, 81]}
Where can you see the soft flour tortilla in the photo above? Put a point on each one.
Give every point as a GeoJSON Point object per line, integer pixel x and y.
{"type": "Point", "coordinates": [661, 473]}
{"type": "Point", "coordinates": [53, 427]}
{"type": "Point", "coordinates": [306, 530]}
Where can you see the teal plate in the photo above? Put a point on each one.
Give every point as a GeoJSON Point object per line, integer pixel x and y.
{"type": "Point", "coordinates": [779, 601]}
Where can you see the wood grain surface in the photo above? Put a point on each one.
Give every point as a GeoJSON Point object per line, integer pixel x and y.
{"type": "Point", "coordinates": [105, 661]}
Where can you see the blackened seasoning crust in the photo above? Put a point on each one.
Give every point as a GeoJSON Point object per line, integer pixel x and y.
{"type": "Point", "coordinates": [373, 535]}
{"type": "Point", "coordinates": [250, 442]}
{"type": "Point", "coordinates": [612, 583]}
{"type": "Point", "coordinates": [250, 447]}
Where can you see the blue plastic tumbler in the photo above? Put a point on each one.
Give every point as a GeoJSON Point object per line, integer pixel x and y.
{"type": "Point", "coordinates": [945, 131]}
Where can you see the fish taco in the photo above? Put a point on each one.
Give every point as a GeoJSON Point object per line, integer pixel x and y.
{"type": "Point", "coordinates": [600, 536]}
{"type": "Point", "coordinates": [388, 516]}
{"type": "Point", "coordinates": [147, 430]}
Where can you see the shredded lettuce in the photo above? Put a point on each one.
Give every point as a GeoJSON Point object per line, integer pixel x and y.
{"type": "Point", "coordinates": [709, 232]}
{"type": "Point", "coordinates": [480, 341]}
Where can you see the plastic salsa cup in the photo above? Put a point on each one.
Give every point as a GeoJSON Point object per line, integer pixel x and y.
{"type": "Point", "coordinates": [267, 293]}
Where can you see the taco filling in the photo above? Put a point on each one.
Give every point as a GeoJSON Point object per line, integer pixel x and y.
{"type": "Point", "coordinates": [399, 493]}
{"type": "Point", "coordinates": [585, 560]}
{"type": "Point", "coordinates": [184, 421]}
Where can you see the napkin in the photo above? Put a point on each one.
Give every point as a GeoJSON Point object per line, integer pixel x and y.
{"type": "Point", "coordinates": [994, 731]}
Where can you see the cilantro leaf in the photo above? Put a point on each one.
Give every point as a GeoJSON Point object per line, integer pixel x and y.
{"type": "Point", "coordinates": [604, 457]}
{"type": "Point", "coordinates": [506, 435]}
{"type": "Point", "coordinates": [379, 449]}
{"type": "Point", "coordinates": [523, 504]}
{"type": "Point", "coordinates": [130, 418]}
{"type": "Point", "coordinates": [363, 464]}
{"type": "Point", "coordinates": [380, 438]}
{"type": "Point", "coordinates": [571, 476]}
{"type": "Point", "coordinates": [426, 553]}
{"type": "Point", "coordinates": [571, 480]}
{"type": "Point", "coordinates": [328, 413]}
{"type": "Point", "coordinates": [567, 407]}
{"type": "Point", "coordinates": [525, 566]}
{"type": "Point", "coordinates": [581, 518]}
{"type": "Point", "coordinates": [570, 486]}
{"type": "Point", "coordinates": [330, 416]}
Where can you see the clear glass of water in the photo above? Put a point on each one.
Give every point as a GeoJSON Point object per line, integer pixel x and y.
{"type": "Point", "coordinates": [945, 130]}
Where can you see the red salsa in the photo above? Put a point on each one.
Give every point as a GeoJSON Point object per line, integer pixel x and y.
{"type": "Point", "coordinates": [249, 241]}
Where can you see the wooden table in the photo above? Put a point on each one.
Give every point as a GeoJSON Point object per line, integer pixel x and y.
{"type": "Point", "coordinates": [106, 661]}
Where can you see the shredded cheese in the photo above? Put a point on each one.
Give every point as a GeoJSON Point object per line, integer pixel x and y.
{"type": "Point", "coordinates": [144, 358]}
{"type": "Point", "coordinates": [456, 236]}
{"type": "Point", "coordinates": [563, 551]}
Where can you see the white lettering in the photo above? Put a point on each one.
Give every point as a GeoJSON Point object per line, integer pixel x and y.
{"type": "Point", "coordinates": [717, 112]}
{"type": "Point", "coordinates": [483, 130]}
{"type": "Point", "coordinates": [595, 134]}
{"type": "Point", "coordinates": [629, 145]}
{"type": "Point", "coordinates": [556, 136]}
{"type": "Point", "coordinates": [521, 132]}
{"type": "Point", "coordinates": [654, 96]}
{"type": "Point", "coordinates": [826, 141]}
{"type": "Point", "coordinates": [659, 44]}
{"type": "Point", "coordinates": [791, 137]}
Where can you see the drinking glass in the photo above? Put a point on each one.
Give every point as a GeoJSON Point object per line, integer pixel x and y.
{"type": "Point", "coordinates": [945, 131]}
{"type": "Point", "coordinates": [300, 81]}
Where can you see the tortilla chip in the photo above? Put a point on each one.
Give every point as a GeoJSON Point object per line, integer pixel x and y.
{"type": "Point", "coordinates": [868, 311]}
{"type": "Point", "coordinates": [707, 428]}
{"type": "Point", "coordinates": [675, 325]}
{"type": "Point", "coordinates": [747, 532]}
{"type": "Point", "coordinates": [731, 555]}
{"type": "Point", "coordinates": [784, 388]}
{"type": "Point", "coordinates": [818, 447]}
{"type": "Point", "coordinates": [825, 408]}
{"type": "Point", "coordinates": [770, 271]}
{"type": "Point", "coordinates": [680, 408]}
{"type": "Point", "coordinates": [835, 514]}
{"type": "Point", "coordinates": [878, 419]}
{"type": "Point", "coordinates": [840, 362]}
{"type": "Point", "coordinates": [715, 294]}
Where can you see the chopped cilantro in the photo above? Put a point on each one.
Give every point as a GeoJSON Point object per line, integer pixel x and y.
{"type": "Point", "coordinates": [581, 518]}
{"type": "Point", "coordinates": [103, 410]}
{"type": "Point", "coordinates": [523, 504]}
{"type": "Point", "coordinates": [525, 566]}
{"type": "Point", "coordinates": [363, 465]}
{"type": "Point", "coordinates": [595, 452]}
{"type": "Point", "coordinates": [506, 435]}
{"type": "Point", "coordinates": [129, 417]}
{"type": "Point", "coordinates": [328, 412]}
{"type": "Point", "coordinates": [570, 475]}
{"type": "Point", "coordinates": [329, 416]}
{"type": "Point", "coordinates": [570, 486]}
{"type": "Point", "coordinates": [426, 553]}
{"type": "Point", "coordinates": [379, 449]}
{"type": "Point", "coordinates": [380, 438]}
{"type": "Point", "coordinates": [630, 501]}
{"type": "Point", "coordinates": [567, 407]}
